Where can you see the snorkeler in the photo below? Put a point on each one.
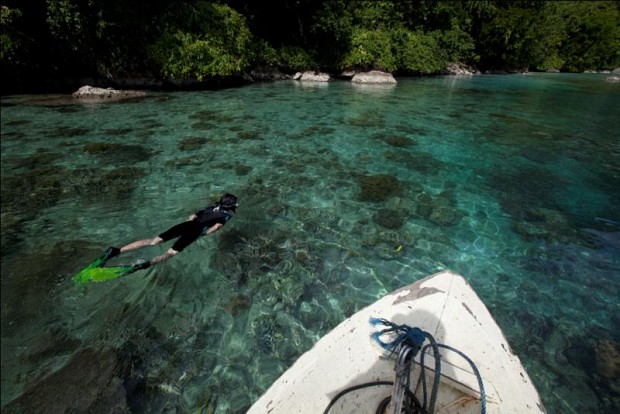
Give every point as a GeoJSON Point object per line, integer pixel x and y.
{"type": "Point", "coordinates": [203, 222]}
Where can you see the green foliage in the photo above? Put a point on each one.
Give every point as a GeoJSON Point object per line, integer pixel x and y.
{"type": "Point", "coordinates": [396, 49]}
{"type": "Point", "coordinates": [10, 39]}
{"type": "Point", "coordinates": [514, 37]}
{"type": "Point", "coordinates": [371, 15]}
{"type": "Point", "coordinates": [332, 20]}
{"type": "Point", "coordinates": [288, 58]}
{"type": "Point", "coordinates": [65, 21]}
{"type": "Point", "coordinates": [295, 59]}
{"type": "Point", "coordinates": [265, 55]}
{"type": "Point", "coordinates": [370, 49]}
{"type": "Point", "coordinates": [567, 35]}
{"type": "Point", "coordinates": [79, 35]}
{"type": "Point", "coordinates": [591, 36]}
{"type": "Point", "coordinates": [202, 39]}
{"type": "Point", "coordinates": [331, 25]}
{"type": "Point", "coordinates": [417, 52]}
{"type": "Point", "coordinates": [457, 45]}
{"type": "Point", "coordinates": [209, 40]}
{"type": "Point", "coordinates": [370, 41]}
{"type": "Point", "coordinates": [75, 24]}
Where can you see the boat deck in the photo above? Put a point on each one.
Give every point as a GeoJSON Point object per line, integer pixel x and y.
{"type": "Point", "coordinates": [443, 305]}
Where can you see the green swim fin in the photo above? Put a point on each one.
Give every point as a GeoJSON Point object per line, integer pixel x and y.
{"type": "Point", "coordinates": [95, 272]}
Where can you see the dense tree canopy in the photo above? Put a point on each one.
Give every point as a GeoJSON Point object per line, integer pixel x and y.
{"type": "Point", "coordinates": [206, 40]}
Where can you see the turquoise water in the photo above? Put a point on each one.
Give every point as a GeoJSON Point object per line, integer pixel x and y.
{"type": "Point", "coordinates": [346, 193]}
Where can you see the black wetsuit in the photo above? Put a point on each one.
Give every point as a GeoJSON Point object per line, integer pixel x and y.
{"type": "Point", "coordinates": [189, 231]}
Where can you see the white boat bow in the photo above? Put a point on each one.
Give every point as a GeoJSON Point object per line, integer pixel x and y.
{"type": "Point", "coordinates": [443, 305]}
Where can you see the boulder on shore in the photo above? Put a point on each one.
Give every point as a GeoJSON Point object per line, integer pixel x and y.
{"type": "Point", "coordinates": [373, 76]}
{"type": "Point", "coordinates": [312, 76]}
{"type": "Point", "coordinates": [89, 92]}
{"type": "Point", "coordinates": [614, 76]}
{"type": "Point", "coordinates": [460, 69]}
{"type": "Point", "coordinates": [267, 74]}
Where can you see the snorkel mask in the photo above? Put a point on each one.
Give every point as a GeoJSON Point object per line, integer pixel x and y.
{"type": "Point", "coordinates": [228, 202]}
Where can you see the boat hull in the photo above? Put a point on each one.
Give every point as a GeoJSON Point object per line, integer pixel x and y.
{"type": "Point", "coordinates": [443, 305]}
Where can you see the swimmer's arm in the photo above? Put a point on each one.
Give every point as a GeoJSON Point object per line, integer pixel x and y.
{"type": "Point", "coordinates": [192, 217]}
{"type": "Point", "coordinates": [214, 228]}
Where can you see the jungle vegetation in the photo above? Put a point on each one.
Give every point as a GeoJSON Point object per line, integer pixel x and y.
{"type": "Point", "coordinates": [218, 39]}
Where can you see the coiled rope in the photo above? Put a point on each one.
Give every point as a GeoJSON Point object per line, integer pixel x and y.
{"type": "Point", "coordinates": [406, 342]}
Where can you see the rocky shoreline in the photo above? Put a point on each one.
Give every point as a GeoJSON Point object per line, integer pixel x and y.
{"type": "Point", "coordinates": [87, 92]}
{"type": "Point", "coordinates": [118, 91]}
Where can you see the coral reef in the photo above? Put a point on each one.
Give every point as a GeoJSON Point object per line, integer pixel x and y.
{"type": "Point", "coordinates": [249, 135]}
{"type": "Point", "coordinates": [192, 143]}
{"type": "Point", "coordinates": [241, 169]}
{"type": "Point", "coordinates": [420, 162]}
{"type": "Point", "coordinates": [93, 372]}
{"type": "Point", "coordinates": [367, 119]}
{"type": "Point", "coordinates": [608, 359]}
{"type": "Point", "coordinates": [524, 188]}
{"type": "Point", "coordinates": [40, 158]}
{"type": "Point", "coordinates": [29, 192]}
{"type": "Point", "coordinates": [185, 162]}
{"type": "Point", "coordinates": [238, 303]}
{"type": "Point", "coordinates": [552, 226]}
{"type": "Point", "coordinates": [440, 209]}
{"type": "Point", "coordinates": [378, 187]}
{"type": "Point", "coordinates": [390, 219]}
{"type": "Point", "coordinates": [29, 280]}
{"type": "Point", "coordinates": [396, 141]}
{"type": "Point", "coordinates": [119, 153]}
{"type": "Point", "coordinates": [211, 116]}
{"type": "Point", "coordinates": [69, 132]}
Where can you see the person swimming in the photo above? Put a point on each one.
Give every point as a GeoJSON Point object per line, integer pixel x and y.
{"type": "Point", "coordinates": [202, 223]}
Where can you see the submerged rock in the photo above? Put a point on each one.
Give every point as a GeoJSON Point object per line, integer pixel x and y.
{"type": "Point", "coordinates": [440, 209]}
{"type": "Point", "coordinates": [553, 226]}
{"type": "Point", "coordinates": [33, 190]}
{"type": "Point", "coordinates": [445, 216]}
{"type": "Point", "coordinates": [89, 382]}
{"type": "Point", "coordinates": [238, 303]}
{"type": "Point", "coordinates": [119, 153]}
{"type": "Point", "coordinates": [397, 141]}
{"type": "Point", "coordinates": [192, 143]}
{"type": "Point", "coordinates": [608, 359]}
{"type": "Point", "coordinates": [390, 219]}
{"type": "Point", "coordinates": [378, 187]}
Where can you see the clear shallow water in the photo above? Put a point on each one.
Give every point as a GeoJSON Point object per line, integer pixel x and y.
{"type": "Point", "coordinates": [346, 193]}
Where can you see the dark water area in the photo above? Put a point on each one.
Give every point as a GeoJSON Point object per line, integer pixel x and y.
{"type": "Point", "coordinates": [346, 193]}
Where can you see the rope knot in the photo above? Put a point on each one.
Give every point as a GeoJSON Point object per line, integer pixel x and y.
{"type": "Point", "coordinates": [402, 334]}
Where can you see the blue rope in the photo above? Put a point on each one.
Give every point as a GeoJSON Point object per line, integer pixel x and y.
{"type": "Point", "coordinates": [483, 395]}
{"type": "Point", "coordinates": [437, 378]}
{"type": "Point", "coordinates": [414, 338]}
